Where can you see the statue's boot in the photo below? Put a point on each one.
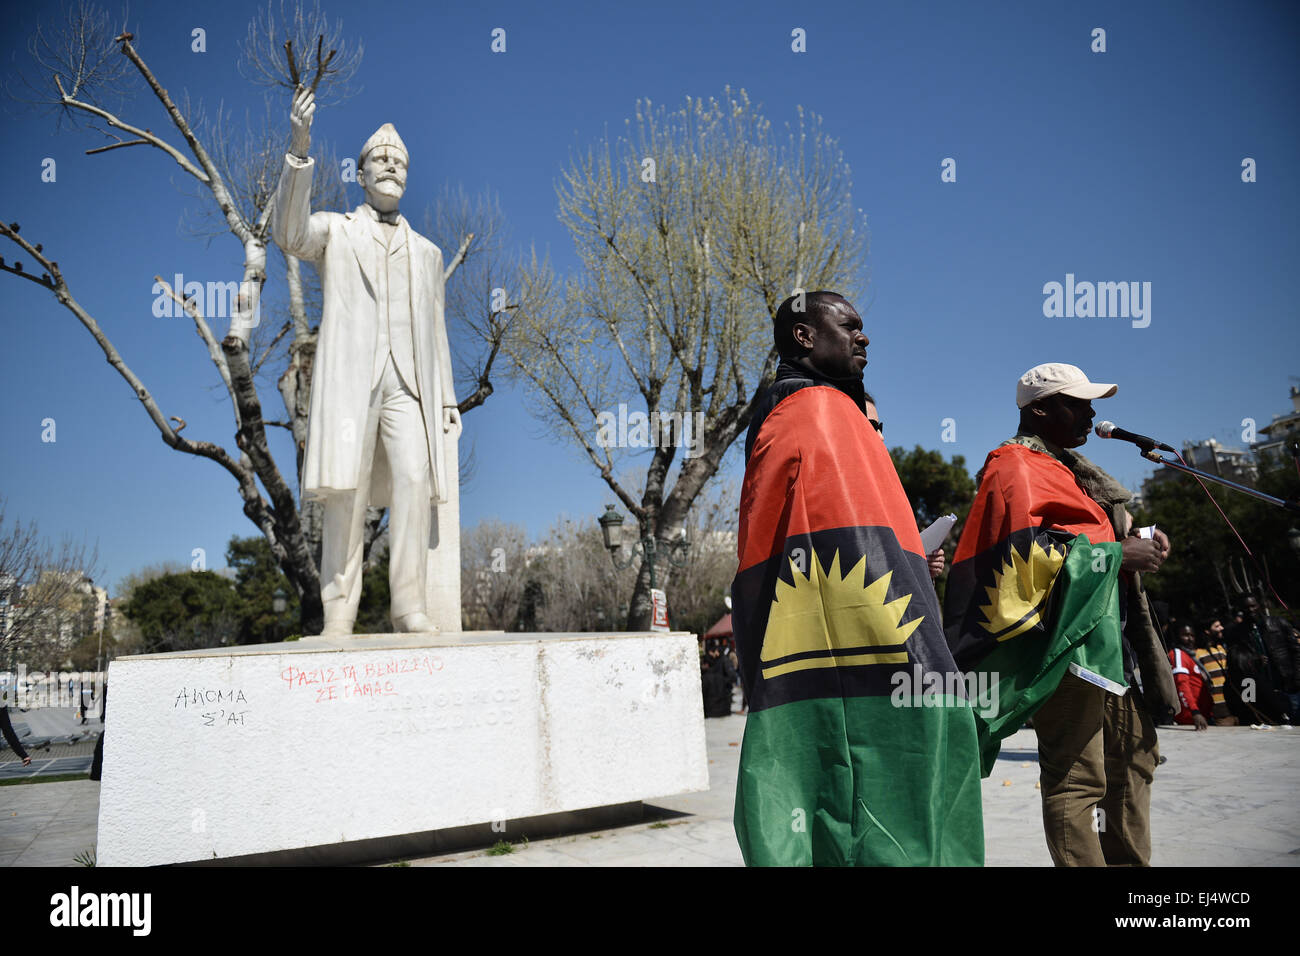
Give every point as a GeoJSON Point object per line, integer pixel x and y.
{"type": "Point", "coordinates": [339, 627]}
{"type": "Point", "coordinates": [414, 623]}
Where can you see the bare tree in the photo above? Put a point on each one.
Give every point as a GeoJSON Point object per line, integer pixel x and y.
{"type": "Point", "coordinates": [576, 586]}
{"type": "Point", "coordinates": [493, 574]}
{"type": "Point", "coordinates": [690, 231]}
{"type": "Point", "coordinates": [294, 46]}
{"type": "Point", "coordinates": [42, 593]}
{"type": "Point", "coordinates": [81, 66]}
{"type": "Point", "coordinates": [565, 581]}
{"type": "Point", "coordinates": [698, 589]}
{"type": "Point", "coordinates": [77, 51]}
{"type": "Point", "coordinates": [482, 303]}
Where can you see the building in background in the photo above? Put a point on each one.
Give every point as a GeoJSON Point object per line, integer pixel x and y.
{"type": "Point", "coordinates": [1270, 451]}
{"type": "Point", "coordinates": [42, 621]}
{"type": "Point", "coordinates": [8, 595]}
{"type": "Point", "coordinates": [1213, 458]}
{"type": "Point", "coordinates": [97, 605]}
{"type": "Point", "coordinates": [1235, 464]}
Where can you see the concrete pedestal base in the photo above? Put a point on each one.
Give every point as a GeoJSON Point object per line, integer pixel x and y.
{"type": "Point", "coordinates": [253, 750]}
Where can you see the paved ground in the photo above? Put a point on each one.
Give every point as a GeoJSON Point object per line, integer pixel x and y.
{"type": "Point", "coordinates": [49, 824]}
{"type": "Point", "coordinates": [58, 743]}
{"type": "Point", "coordinates": [1225, 797]}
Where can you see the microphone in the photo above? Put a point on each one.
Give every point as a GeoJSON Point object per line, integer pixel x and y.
{"type": "Point", "coordinates": [1111, 430]}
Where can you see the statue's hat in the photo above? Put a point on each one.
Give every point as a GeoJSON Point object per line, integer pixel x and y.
{"type": "Point", "coordinates": [386, 135]}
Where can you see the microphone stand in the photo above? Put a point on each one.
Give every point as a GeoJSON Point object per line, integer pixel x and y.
{"type": "Point", "coordinates": [1290, 504]}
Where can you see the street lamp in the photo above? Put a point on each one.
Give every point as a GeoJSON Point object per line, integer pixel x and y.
{"type": "Point", "coordinates": [611, 524]}
{"type": "Point", "coordinates": [278, 604]}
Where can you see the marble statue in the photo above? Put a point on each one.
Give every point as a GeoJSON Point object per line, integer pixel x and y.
{"type": "Point", "coordinates": [383, 425]}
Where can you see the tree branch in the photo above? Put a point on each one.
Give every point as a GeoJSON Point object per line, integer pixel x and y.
{"type": "Point", "coordinates": [484, 383]}
{"type": "Point", "coordinates": [44, 281]}
{"type": "Point", "coordinates": [458, 258]}
{"type": "Point", "coordinates": [205, 333]}
{"type": "Point", "coordinates": [142, 134]}
{"type": "Point", "coordinates": [169, 435]}
{"type": "Point", "coordinates": [267, 352]}
{"type": "Point", "coordinates": [251, 439]}
{"type": "Point", "coordinates": [605, 468]}
{"type": "Point", "coordinates": [213, 178]}
{"type": "Point", "coordinates": [130, 142]}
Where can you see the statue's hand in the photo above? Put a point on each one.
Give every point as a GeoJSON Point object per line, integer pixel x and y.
{"type": "Point", "coordinates": [300, 114]}
{"type": "Point", "coordinates": [451, 419]}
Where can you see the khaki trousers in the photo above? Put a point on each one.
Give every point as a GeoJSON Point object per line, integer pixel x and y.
{"type": "Point", "coordinates": [1097, 753]}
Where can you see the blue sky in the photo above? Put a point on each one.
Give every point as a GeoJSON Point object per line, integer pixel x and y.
{"type": "Point", "coordinates": [1115, 166]}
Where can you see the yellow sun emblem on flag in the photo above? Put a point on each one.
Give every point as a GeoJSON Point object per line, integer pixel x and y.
{"type": "Point", "coordinates": [1020, 589]}
{"type": "Point", "coordinates": [827, 619]}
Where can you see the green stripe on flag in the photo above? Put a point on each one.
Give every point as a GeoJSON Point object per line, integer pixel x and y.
{"type": "Point", "coordinates": [1083, 629]}
{"type": "Point", "coordinates": [860, 781]}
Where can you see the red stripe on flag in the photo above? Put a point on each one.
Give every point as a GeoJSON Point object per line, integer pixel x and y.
{"type": "Point", "coordinates": [1023, 488]}
{"type": "Point", "coordinates": [818, 446]}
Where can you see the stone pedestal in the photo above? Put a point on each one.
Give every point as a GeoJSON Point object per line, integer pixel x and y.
{"type": "Point", "coordinates": [238, 751]}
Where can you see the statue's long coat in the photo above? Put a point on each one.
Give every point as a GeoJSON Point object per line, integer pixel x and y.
{"type": "Point", "coordinates": [344, 251]}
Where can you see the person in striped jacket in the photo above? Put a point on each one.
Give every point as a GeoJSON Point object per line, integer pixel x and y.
{"type": "Point", "coordinates": [1212, 656]}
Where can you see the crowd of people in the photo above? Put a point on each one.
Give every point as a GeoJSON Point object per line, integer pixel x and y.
{"type": "Point", "coordinates": [1244, 673]}
{"type": "Point", "coordinates": [718, 677]}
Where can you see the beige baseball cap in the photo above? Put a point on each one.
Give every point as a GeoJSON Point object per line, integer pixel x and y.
{"type": "Point", "coordinates": [1057, 378]}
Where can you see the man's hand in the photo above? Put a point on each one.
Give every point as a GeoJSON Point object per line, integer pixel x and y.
{"type": "Point", "coordinates": [935, 560]}
{"type": "Point", "coordinates": [300, 114]}
{"type": "Point", "coordinates": [1145, 554]}
{"type": "Point", "coordinates": [1199, 722]}
{"type": "Point", "coordinates": [27, 761]}
{"type": "Point", "coordinates": [451, 419]}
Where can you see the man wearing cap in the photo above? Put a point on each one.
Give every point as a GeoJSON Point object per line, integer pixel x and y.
{"type": "Point", "coordinates": [384, 421]}
{"type": "Point", "coordinates": [1045, 594]}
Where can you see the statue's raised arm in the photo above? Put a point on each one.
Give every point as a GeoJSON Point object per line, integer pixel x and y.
{"type": "Point", "coordinates": [300, 114]}
{"type": "Point", "coordinates": [293, 227]}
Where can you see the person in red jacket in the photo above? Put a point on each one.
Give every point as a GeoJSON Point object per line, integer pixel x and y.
{"type": "Point", "coordinates": [1192, 681]}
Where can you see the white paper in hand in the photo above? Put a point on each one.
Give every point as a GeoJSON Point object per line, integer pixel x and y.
{"type": "Point", "coordinates": [932, 537]}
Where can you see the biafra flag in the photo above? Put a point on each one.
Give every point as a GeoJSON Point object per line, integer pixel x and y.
{"type": "Point", "coordinates": [860, 746]}
{"type": "Point", "coordinates": [1032, 591]}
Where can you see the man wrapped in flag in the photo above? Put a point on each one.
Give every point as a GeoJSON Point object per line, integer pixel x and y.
{"type": "Point", "coordinates": [860, 745]}
{"type": "Point", "coordinates": [1036, 604]}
